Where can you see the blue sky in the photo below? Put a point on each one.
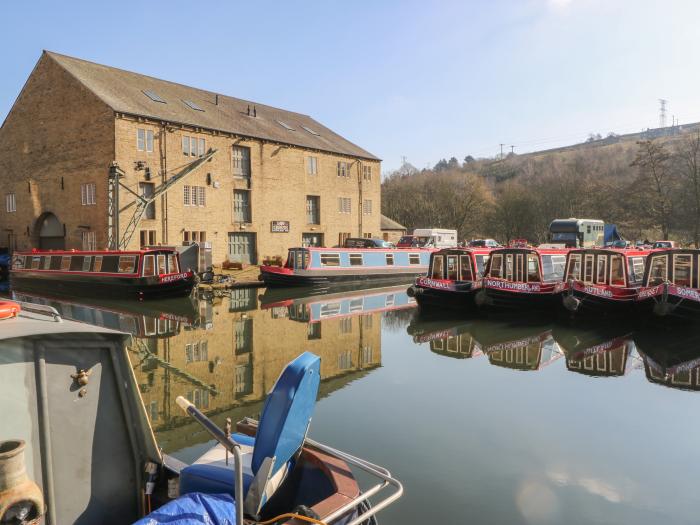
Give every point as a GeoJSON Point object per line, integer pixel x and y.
{"type": "Point", "coordinates": [423, 80]}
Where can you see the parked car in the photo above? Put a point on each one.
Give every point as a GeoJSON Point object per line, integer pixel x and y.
{"type": "Point", "coordinates": [664, 244]}
{"type": "Point", "coordinates": [356, 242]}
{"type": "Point", "coordinates": [484, 243]}
{"type": "Point", "coordinates": [407, 241]}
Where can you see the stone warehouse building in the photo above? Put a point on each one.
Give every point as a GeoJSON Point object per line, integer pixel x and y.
{"type": "Point", "coordinates": [276, 178]}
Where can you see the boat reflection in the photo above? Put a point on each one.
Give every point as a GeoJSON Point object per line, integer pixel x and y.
{"type": "Point", "coordinates": [450, 338]}
{"type": "Point", "coordinates": [607, 351]}
{"type": "Point", "coordinates": [674, 361]}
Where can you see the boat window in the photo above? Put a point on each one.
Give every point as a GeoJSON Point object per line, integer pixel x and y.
{"type": "Point", "coordinates": [533, 268]}
{"type": "Point", "coordinates": [355, 259]}
{"type": "Point", "coordinates": [173, 266]}
{"type": "Point", "coordinates": [389, 300]}
{"type": "Point", "coordinates": [496, 269]}
{"type": "Point", "coordinates": [465, 268]}
{"type": "Point", "coordinates": [682, 270]}
{"type": "Point", "coordinates": [553, 267]}
{"type": "Point", "coordinates": [149, 266]}
{"type": "Point", "coordinates": [413, 258]}
{"type": "Point", "coordinates": [452, 268]}
{"type": "Point", "coordinates": [588, 269]}
{"type": "Point", "coordinates": [45, 263]}
{"type": "Point", "coordinates": [55, 262]}
{"type": "Point", "coordinates": [36, 261]}
{"type": "Point", "coordinates": [290, 259]}
{"type": "Point", "coordinates": [658, 272]}
{"type": "Point", "coordinates": [602, 273]}
{"type": "Point", "coordinates": [330, 259]}
{"type": "Point", "coordinates": [509, 267]}
{"type": "Point", "coordinates": [302, 259]}
{"type": "Point", "coordinates": [18, 262]}
{"type": "Point", "coordinates": [65, 262]}
{"type": "Point", "coordinates": [635, 269]}
{"type": "Point", "coordinates": [519, 274]}
{"type": "Point", "coordinates": [617, 271]}
{"type": "Point", "coordinates": [574, 271]}
{"type": "Point", "coordinates": [86, 263]}
{"type": "Point", "coordinates": [127, 263]}
{"type": "Point", "coordinates": [97, 266]}
{"type": "Point", "coordinates": [436, 273]}
{"type": "Point", "coordinates": [160, 262]}
{"type": "Point", "coordinates": [76, 265]}
{"type": "Point", "coordinates": [389, 259]}
{"type": "Point", "coordinates": [481, 262]}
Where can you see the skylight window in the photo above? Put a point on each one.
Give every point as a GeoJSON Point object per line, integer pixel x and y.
{"type": "Point", "coordinates": [192, 105]}
{"type": "Point", "coordinates": [153, 96]}
{"type": "Point", "coordinates": [285, 125]}
{"type": "Point", "coordinates": [312, 131]}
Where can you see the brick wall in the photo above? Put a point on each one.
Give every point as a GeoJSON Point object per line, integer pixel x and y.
{"type": "Point", "coordinates": [57, 136]}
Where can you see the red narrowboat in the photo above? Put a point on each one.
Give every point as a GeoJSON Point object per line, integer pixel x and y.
{"type": "Point", "coordinates": [523, 278]}
{"type": "Point", "coordinates": [151, 273]}
{"type": "Point", "coordinates": [603, 280]}
{"type": "Point", "coordinates": [671, 285]}
{"type": "Point", "coordinates": [454, 277]}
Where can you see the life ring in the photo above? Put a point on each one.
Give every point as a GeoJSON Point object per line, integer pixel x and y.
{"type": "Point", "coordinates": [9, 309]}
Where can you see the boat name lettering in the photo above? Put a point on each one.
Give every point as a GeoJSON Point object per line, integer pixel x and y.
{"type": "Point", "coordinates": [432, 283]}
{"type": "Point", "coordinates": [595, 290]}
{"type": "Point", "coordinates": [688, 293]}
{"type": "Point", "coordinates": [505, 285]}
{"type": "Point", "coordinates": [174, 277]}
{"type": "Point", "coordinates": [649, 292]}
{"type": "Point", "coordinates": [510, 345]}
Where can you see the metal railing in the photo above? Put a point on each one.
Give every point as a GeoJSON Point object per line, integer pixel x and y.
{"type": "Point", "coordinates": [42, 309]}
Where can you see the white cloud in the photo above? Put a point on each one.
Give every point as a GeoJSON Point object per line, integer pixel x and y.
{"type": "Point", "coordinates": [558, 4]}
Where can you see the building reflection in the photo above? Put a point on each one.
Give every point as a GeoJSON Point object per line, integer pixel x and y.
{"type": "Point", "coordinates": [228, 362]}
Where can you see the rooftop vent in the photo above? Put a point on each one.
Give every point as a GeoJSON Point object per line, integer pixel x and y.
{"type": "Point", "coordinates": [153, 96]}
{"type": "Point", "coordinates": [285, 125]}
{"type": "Point", "coordinates": [192, 105]}
{"type": "Point", "coordinates": [311, 131]}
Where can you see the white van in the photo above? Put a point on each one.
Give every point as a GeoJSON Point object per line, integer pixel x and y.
{"type": "Point", "coordinates": [435, 237]}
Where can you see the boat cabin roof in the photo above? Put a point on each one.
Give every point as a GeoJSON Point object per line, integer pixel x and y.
{"type": "Point", "coordinates": [675, 251]}
{"type": "Point", "coordinates": [463, 250]}
{"type": "Point", "coordinates": [355, 250]}
{"type": "Point", "coordinates": [35, 319]}
{"type": "Point", "coordinates": [531, 249]}
{"type": "Point", "coordinates": [159, 249]}
{"type": "Point", "coordinates": [613, 251]}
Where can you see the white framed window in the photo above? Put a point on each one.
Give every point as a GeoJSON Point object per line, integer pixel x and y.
{"type": "Point", "coordinates": [10, 203]}
{"type": "Point", "coordinates": [186, 146]}
{"type": "Point", "coordinates": [367, 207]}
{"type": "Point", "coordinates": [312, 165]}
{"type": "Point", "coordinates": [89, 241]}
{"type": "Point", "coordinates": [330, 259]}
{"type": "Point", "coordinates": [87, 194]}
{"type": "Point", "coordinates": [344, 205]}
{"type": "Point", "coordinates": [356, 259]}
{"type": "Point", "coordinates": [144, 140]}
{"type": "Point", "coordinates": [413, 258]}
{"type": "Point", "coordinates": [367, 172]}
{"type": "Point", "coordinates": [194, 196]}
{"type": "Point", "coordinates": [193, 147]}
{"type": "Point", "coordinates": [389, 259]}
{"type": "Point", "coordinates": [241, 161]}
{"type": "Point", "coordinates": [343, 169]}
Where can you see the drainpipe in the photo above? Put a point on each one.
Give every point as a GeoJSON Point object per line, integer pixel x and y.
{"type": "Point", "coordinates": [162, 146]}
{"type": "Point", "coordinates": [360, 188]}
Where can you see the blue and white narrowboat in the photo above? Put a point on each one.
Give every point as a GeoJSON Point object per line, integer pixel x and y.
{"type": "Point", "coordinates": [323, 266]}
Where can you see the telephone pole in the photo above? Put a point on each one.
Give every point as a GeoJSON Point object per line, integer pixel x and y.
{"type": "Point", "coordinates": [502, 150]}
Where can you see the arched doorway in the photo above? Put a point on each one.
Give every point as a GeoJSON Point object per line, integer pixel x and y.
{"type": "Point", "coordinates": [50, 231]}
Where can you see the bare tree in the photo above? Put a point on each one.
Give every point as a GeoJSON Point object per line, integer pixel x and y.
{"type": "Point", "coordinates": [654, 185]}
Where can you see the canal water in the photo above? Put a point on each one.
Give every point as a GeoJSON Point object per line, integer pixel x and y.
{"type": "Point", "coordinates": [485, 421]}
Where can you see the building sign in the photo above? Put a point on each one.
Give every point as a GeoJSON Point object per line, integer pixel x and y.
{"type": "Point", "coordinates": [279, 226]}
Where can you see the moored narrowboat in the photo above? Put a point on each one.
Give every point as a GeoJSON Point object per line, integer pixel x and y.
{"type": "Point", "coordinates": [313, 266]}
{"type": "Point", "coordinates": [603, 280]}
{"type": "Point", "coordinates": [671, 284]}
{"type": "Point", "coordinates": [138, 274]}
{"type": "Point", "coordinates": [454, 277]}
{"type": "Point", "coordinates": [523, 278]}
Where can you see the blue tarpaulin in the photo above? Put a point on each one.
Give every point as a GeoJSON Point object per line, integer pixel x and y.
{"type": "Point", "coordinates": [194, 509]}
{"type": "Point", "coordinates": [611, 233]}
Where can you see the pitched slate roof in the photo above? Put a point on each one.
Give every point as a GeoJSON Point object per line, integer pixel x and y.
{"type": "Point", "coordinates": [389, 224]}
{"type": "Point", "coordinates": [123, 91]}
